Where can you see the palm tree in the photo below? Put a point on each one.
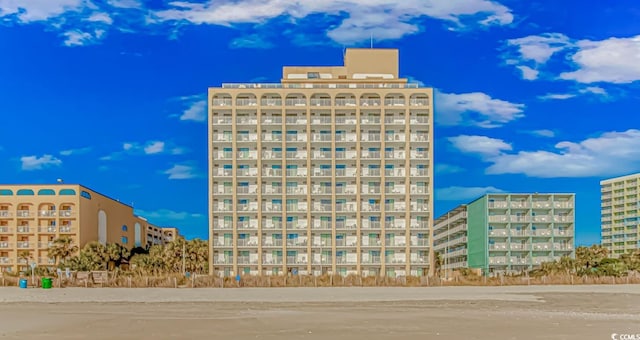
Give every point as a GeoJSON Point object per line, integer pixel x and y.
{"type": "Point", "coordinates": [198, 256]}
{"type": "Point", "coordinates": [116, 254]}
{"type": "Point", "coordinates": [437, 263]}
{"type": "Point", "coordinates": [96, 254]}
{"type": "Point", "coordinates": [62, 249]}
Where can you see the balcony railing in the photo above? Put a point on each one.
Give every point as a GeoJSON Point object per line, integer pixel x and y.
{"type": "Point", "coordinates": [321, 102]}
{"type": "Point", "coordinates": [271, 102]}
{"type": "Point", "coordinates": [296, 102]}
{"type": "Point", "coordinates": [23, 244]}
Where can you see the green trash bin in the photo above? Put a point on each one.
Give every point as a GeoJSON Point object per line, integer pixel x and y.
{"type": "Point", "coordinates": [46, 283]}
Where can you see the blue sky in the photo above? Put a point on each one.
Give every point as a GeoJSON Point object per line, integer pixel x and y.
{"type": "Point", "coordinates": [532, 96]}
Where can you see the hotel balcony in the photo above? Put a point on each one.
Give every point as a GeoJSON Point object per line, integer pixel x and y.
{"type": "Point", "coordinates": [497, 260]}
{"type": "Point", "coordinates": [222, 121]}
{"type": "Point", "coordinates": [223, 172]}
{"type": "Point", "coordinates": [252, 172]}
{"type": "Point", "coordinates": [223, 260]}
{"type": "Point", "coordinates": [346, 102]}
{"type": "Point", "coordinates": [368, 207]}
{"type": "Point", "coordinates": [542, 246]}
{"type": "Point", "coordinates": [300, 137]}
{"type": "Point", "coordinates": [562, 247]}
{"type": "Point", "coordinates": [271, 242]}
{"type": "Point", "coordinates": [23, 244]}
{"type": "Point", "coordinates": [246, 102]}
{"type": "Point", "coordinates": [269, 207]}
{"type": "Point", "coordinates": [45, 245]}
{"type": "Point", "coordinates": [296, 102]}
{"type": "Point", "coordinates": [299, 155]}
{"type": "Point", "coordinates": [5, 245]}
{"type": "Point", "coordinates": [419, 120]}
{"type": "Point", "coordinates": [395, 102]}
{"type": "Point", "coordinates": [222, 102]}
{"type": "Point", "coordinates": [47, 229]}
{"type": "Point", "coordinates": [23, 213]}
{"type": "Point", "coordinates": [346, 190]}
{"type": "Point", "coordinates": [273, 120]}
{"type": "Point", "coordinates": [348, 137]}
{"type": "Point", "coordinates": [67, 229]}
{"type": "Point", "coordinates": [370, 120]}
{"type": "Point", "coordinates": [498, 233]}
{"type": "Point", "coordinates": [419, 102]}
{"type": "Point", "coordinates": [366, 259]}
{"type": "Point", "coordinates": [346, 155]}
{"type": "Point", "coordinates": [350, 172]}
{"type": "Point", "coordinates": [271, 102]}
{"type": "Point", "coordinates": [498, 246]}
{"type": "Point", "coordinates": [419, 207]}
{"type": "Point", "coordinates": [367, 224]}
{"type": "Point", "coordinates": [247, 259]}
{"type": "Point", "coordinates": [23, 229]}
{"type": "Point", "coordinates": [537, 260]}
{"type": "Point", "coordinates": [246, 120]}
{"type": "Point", "coordinates": [370, 102]}
{"type": "Point", "coordinates": [250, 225]}
{"type": "Point", "coordinates": [370, 137]}
{"type": "Point", "coordinates": [246, 137]}
{"type": "Point", "coordinates": [419, 137]}
{"type": "Point", "coordinates": [6, 260]}
{"type": "Point", "coordinates": [321, 102]}
{"type": "Point", "coordinates": [394, 137]}
{"type": "Point", "coordinates": [253, 155]}
{"type": "Point", "coordinates": [419, 242]}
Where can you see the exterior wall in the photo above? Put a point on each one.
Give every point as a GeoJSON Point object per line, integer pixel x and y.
{"type": "Point", "coordinates": [260, 161]}
{"type": "Point", "coordinates": [31, 222]}
{"type": "Point", "coordinates": [620, 209]}
{"type": "Point", "coordinates": [159, 235]}
{"type": "Point", "coordinates": [477, 234]}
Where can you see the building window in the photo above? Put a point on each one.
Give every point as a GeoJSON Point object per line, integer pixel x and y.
{"type": "Point", "coordinates": [25, 192]}
{"type": "Point", "coordinates": [124, 228]}
{"type": "Point", "coordinates": [67, 192]}
{"type": "Point", "coordinates": [124, 240]}
{"type": "Point", "coordinates": [46, 192]}
{"type": "Point", "coordinates": [85, 194]}
{"type": "Point", "coordinates": [6, 192]}
{"type": "Point", "coordinates": [313, 75]}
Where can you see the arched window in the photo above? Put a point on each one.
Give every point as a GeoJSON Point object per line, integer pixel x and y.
{"type": "Point", "coordinates": [85, 194]}
{"type": "Point", "coordinates": [124, 228]}
{"type": "Point", "coordinates": [46, 192]}
{"type": "Point", "coordinates": [6, 192]}
{"type": "Point", "coordinates": [124, 240]}
{"type": "Point", "coordinates": [25, 192]}
{"type": "Point", "coordinates": [67, 192]}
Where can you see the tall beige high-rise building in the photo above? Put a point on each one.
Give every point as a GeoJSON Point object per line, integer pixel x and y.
{"type": "Point", "coordinates": [620, 209]}
{"type": "Point", "coordinates": [328, 171]}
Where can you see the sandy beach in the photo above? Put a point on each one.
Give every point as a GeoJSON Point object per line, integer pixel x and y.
{"type": "Point", "coordinates": [514, 312]}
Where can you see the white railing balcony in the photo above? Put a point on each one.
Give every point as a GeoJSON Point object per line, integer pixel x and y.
{"type": "Point", "coordinates": [317, 189]}
{"type": "Point", "coordinates": [519, 205]}
{"type": "Point", "coordinates": [395, 225]}
{"type": "Point", "coordinates": [47, 229]}
{"type": "Point", "coordinates": [347, 207]}
{"type": "Point", "coordinates": [23, 213]}
{"type": "Point", "coordinates": [371, 260]}
{"type": "Point", "coordinates": [322, 154]}
{"type": "Point", "coordinates": [369, 102]}
{"type": "Point", "coordinates": [272, 120]}
{"type": "Point", "coordinates": [321, 120]}
{"type": "Point", "coordinates": [419, 137]}
{"type": "Point", "coordinates": [321, 137]}
{"type": "Point", "coordinates": [565, 205]}
{"type": "Point", "coordinates": [247, 120]}
{"type": "Point", "coordinates": [222, 138]}
{"type": "Point", "coordinates": [497, 260]}
{"type": "Point", "coordinates": [498, 218]}
{"type": "Point", "coordinates": [419, 207]}
{"type": "Point", "coordinates": [415, 189]}
{"type": "Point", "coordinates": [296, 102]}
{"type": "Point", "coordinates": [371, 224]}
{"type": "Point", "coordinates": [300, 207]}
{"type": "Point", "coordinates": [371, 137]}
{"type": "Point", "coordinates": [519, 246]}
{"type": "Point", "coordinates": [4, 229]}
{"type": "Point", "coordinates": [5, 260]}
{"type": "Point", "coordinates": [371, 154]}
{"type": "Point", "coordinates": [519, 260]}
{"type": "Point", "coordinates": [557, 218]}
{"type": "Point", "coordinates": [419, 154]}
{"type": "Point", "coordinates": [271, 137]}
{"type": "Point", "coordinates": [498, 232]}
{"type": "Point", "coordinates": [565, 232]}
{"type": "Point", "coordinates": [247, 242]}
{"type": "Point", "coordinates": [296, 155]}
{"type": "Point", "coordinates": [419, 102]}
{"type": "Point", "coordinates": [271, 155]}
{"type": "Point", "coordinates": [345, 102]}
{"type": "Point", "coordinates": [248, 155]}
{"type": "Point", "coordinates": [297, 137]}
{"type": "Point", "coordinates": [321, 102]}
{"type": "Point", "coordinates": [247, 190]}
{"type": "Point", "coordinates": [222, 155]}
{"type": "Point", "coordinates": [296, 120]}
{"type": "Point", "coordinates": [396, 137]}
{"type": "Point", "coordinates": [271, 242]}
{"type": "Point", "coordinates": [419, 120]}
{"type": "Point", "coordinates": [370, 120]}
{"type": "Point", "coordinates": [295, 242]}
{"type": "Point", "coordinates": [566, 247]}
{"type": "Point", "coordinates": [247, 172]}
{"type": "Point", "coordinates": [419, 225]}
{"type": "Point", "coordinates": [541, 246]}
{"type": "Point", "coordinates": [24, 229]}
{"type": "Point", "coordinates": [498, 246]}
{"type": "Point", "coordinates": [5, 245]}
{"type": "Point", "coordinates": [222, 121]}
{"type": "Point", "coordinates": [541, 259]}
{"type": "Point", "coordinates": [67, 229]}
{"type": "Point", "coordinates": [541, 204]}
{"type": "Point", "coordinates": [271, 102]}
{"type": "Point", "coordinates": [247, 137]}
{"type": "Point", "coordinates": [346, 172]}
{"type": "Point", "coordinates": [23, 244]}
{"type": "Point", "coordinates": [300, 172]}
{"type": "Point", "coordinates": [349, 189]}
{"type": "Point", "coordinates": [370, 189]}
{"type": "Point", "coordinates": [223, 260]}
{"type": "Point", "coordinates": [375, 172]}
{"type": "Point", "coordinates": [247, 260]}
{"type": "Point", "coordinates": [272, 207]}
{"type": "Point", "coordinates": [248, 207]}
{"type": "Point", "coordinates": [247, 225]}
{"type": "Point", "coordinates": [222, 102]}
{"type": "Point", "coordinates": [541, 218]}
{"type": "Point", "coordinates": [322, 207]}
{"type": "Point", "coordinates": [368, 207]}
{"type": "Point", "coordinates": [394, 102]}
{"type": "Point", "coordinates": [246, 102]}
{"type": "Point", "coordinates": [394, 172]}
{"type": "Point", "coordinates": [322, 172]}
{"type": "Point", "coordinates": [269, 224]}
{"type": "Point", "coordinates": [223, 173]}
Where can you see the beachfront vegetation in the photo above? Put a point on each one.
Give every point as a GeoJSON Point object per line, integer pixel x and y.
{"type": "Point", "coordinates": [177, 256]}
{"type": "Point", "coordinates": [592, 261]}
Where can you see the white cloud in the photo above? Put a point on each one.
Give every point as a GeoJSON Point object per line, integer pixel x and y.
{"type": "Point", "coordinates": [39, 163]}
{"type": "Point", "coordinates": [101, 17]}
{"type": "Point", "coordinates": [544, 133]}
{"type": "Point", "coordinates": [38, 10]}
{"type": "Point", "coordinates": [154, 147]}
{"type": "Point", "coordinates": [385, 19]}
{"type": "Point", "coordinates": [528, 73]}
{"type": "Point", "coordinates": [594, 90]}
{"type": "Point", "coordinates": [456, 193]}
{"type": "Point", "coordinates": [557, 96]}
{"type": "Point", "coordinates": [442, 168]}
{"type": "Point", "coordinates": [613, 60]}
{"type": "Point", "coordinates": [610, 154]}
{"type": "Point", "coordinates": [475, 108]}
{"type": "Point", "coordinates": [79, 38]}
{"type": "Point", "coordinates": [181, 171]}
{"type": "Point", "coordinates": [539, 48]}
{"type": "Point", "coordinates": [196, 111]}
{"type": "Point", "coordinates": [132, 4]}
{"type": "Point", "coordinates": [79, 151]}
{"type": "Point", "coordinates": [250, 41]}
{"type": "Point", "coordinates": [482, 145]}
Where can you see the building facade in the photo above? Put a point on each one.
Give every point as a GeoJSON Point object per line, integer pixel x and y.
{"type": "Point", "coordinates": [507, 233]}
{"type": "Point", "coordinates": [328, 171]}
{"type": "Point", "coordinates": [160, 235]}
{"type": "Point", "coordinates": [33, 216]}
{"type": "Point", "coordinates": [620, 209]}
